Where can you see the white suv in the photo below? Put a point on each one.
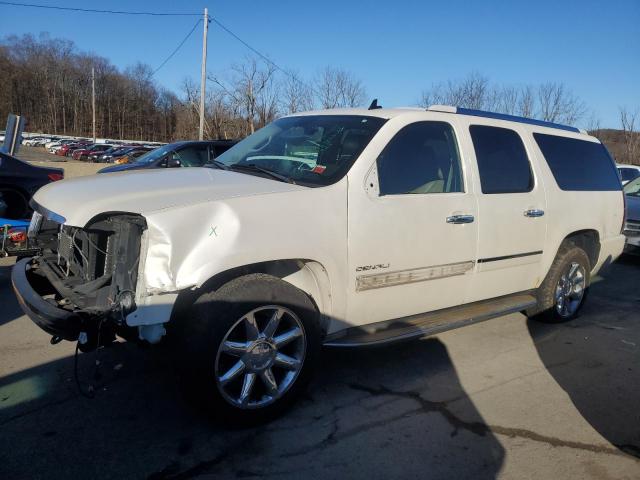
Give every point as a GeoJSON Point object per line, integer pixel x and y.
{"type": "Point", "coordinates": [342, 228]}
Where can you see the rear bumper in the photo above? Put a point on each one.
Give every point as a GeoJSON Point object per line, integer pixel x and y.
{"type": "Point", "coordinates": [53, 320]}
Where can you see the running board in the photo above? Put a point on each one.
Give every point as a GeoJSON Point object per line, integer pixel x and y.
{"type": "Point", "coordinates": [430, 323]}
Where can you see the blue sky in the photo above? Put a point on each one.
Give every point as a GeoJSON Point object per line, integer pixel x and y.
{"type": "Point", "coordinates": [397, 48]}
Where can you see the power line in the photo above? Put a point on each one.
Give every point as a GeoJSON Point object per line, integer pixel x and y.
{"type": "Point", "coordinates": [160, 14]}
{"type": "Point", "coordinates": [264, 57]}
{"type": "Point", "coordinates": [91, 10]}
{"type": "Point", "coordinates": [177, 48]}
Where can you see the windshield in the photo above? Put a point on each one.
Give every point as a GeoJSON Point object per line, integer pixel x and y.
{"type": "Point", "coordinates": [633, 188]}
{"type": "Point", "coordinates": [313, 150]}
{"type": "Point", "coordinates": [156, 154]}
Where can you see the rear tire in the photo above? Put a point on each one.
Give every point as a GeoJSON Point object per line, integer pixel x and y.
{"type": "Point", "coordinates": [564, 290]}
{"type": "Point", "coordinates": [241, 365]}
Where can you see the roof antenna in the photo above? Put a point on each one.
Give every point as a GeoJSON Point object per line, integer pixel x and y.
{"type": "Point", "coordinates": [374, 105]}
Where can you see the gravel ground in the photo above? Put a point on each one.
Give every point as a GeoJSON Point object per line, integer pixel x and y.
{"type": "Point", "coordinates": [39, 156]}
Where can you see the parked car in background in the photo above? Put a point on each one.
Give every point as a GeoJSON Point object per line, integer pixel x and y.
{"type": "Point", "coordinates": [131, 155]}
{"type": "Point", "coordinates": [628, 172]}
{"type": "Point", "coordinates": [67, 150]}
{"type": "Point", "coordinates": [178, 154]}
{"type": "Point", "coordinates": [97, 155]}
{"type": "Point", "coordinates": [54, 147]}
{"type": "Point", "coordinates": [42, 142]}
{"type": "Point", "coordinates": [632, 222]}
{"type": "Point", "coordinates": [34, 141]}
{"type": "Point", "coordinates": [109, 155]}
{"type": "Point", "coordinates": [344, 228]}
{"type": "Point", "coordinates": [18, 182]}
{"type": "Point", "coordinates": [83, 153]}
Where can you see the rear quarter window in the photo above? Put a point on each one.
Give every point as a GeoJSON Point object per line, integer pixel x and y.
{"type": "Point", "coordinates": [578, 165]}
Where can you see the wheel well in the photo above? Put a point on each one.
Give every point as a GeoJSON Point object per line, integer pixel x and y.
{"type": "Point", "coordinates": [301, 273]}
{"type": "Point", "coordinates": [23, 196]}
{"type": "Point", "coordinates": [587, 240]}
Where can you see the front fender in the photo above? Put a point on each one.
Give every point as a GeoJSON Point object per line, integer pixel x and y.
{"type": "Point", "coordinates": [185, 247]}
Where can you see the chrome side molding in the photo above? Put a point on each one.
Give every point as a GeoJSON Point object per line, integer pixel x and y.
{"type": "Point", "coordinates": [413, 275]}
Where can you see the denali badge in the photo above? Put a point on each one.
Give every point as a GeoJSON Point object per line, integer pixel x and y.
{"type": "Point", "coordinates": [379, 266]}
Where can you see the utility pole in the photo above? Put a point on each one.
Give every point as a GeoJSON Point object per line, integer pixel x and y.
{"type": "Point", "coordinates": [93, 100]}
{"type": "Point", "coordinates": [203, 78]}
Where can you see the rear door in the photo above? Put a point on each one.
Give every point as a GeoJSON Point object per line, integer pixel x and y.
{"type": "Point", "coordinates": [511, 212]}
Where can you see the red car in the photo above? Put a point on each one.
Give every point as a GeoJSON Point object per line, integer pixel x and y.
{"type": "Point", "coordinates": [83, 153]}
{"type": "Point", "coordinates": [66, 149]}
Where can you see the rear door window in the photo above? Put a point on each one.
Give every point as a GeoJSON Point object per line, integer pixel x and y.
{"type": "Point", "coordinates": [578, 165]}
{"type": "Point", "coordinates": [502, 160]}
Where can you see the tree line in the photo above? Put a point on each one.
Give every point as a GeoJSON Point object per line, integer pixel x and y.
{"type": "Point", "coordinates": [48, 81]}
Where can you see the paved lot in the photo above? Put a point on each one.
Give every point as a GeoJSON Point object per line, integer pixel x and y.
{"type": "Point", "coordinates": [508, 398]}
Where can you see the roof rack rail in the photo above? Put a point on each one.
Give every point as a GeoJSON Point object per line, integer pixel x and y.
{"type": "Point", "coordinates": [501, 116]}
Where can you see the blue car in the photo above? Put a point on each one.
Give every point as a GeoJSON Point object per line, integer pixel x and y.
{"type": "Point", "coordinates": [178, 154]}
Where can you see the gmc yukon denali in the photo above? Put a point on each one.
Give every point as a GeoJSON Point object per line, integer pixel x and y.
{"type": "Point", "coordinates": [342, 228]}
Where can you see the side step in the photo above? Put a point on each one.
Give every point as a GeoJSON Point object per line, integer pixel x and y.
{"type": "Point", "coordinates": [430, 323]}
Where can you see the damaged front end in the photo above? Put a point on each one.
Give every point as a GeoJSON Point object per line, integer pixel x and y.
{"type": "Point", "coordinates": [83, 284]}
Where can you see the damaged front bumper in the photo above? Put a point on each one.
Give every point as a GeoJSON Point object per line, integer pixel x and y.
{"type": "Point", "coordinates": [31, 292]}
{"type": "Point", "coordinates": [83, 284]}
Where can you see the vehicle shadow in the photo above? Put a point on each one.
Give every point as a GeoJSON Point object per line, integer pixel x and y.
{"type": "Point", "coordinates": [595, 358]}
{"type": "Point", "coordinates": [383, 413]}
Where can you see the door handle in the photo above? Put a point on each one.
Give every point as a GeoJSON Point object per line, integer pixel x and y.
{"type": "Point", "coordinates": [457, 219]}
{"type": "Point", "coordinates": [533, 213]}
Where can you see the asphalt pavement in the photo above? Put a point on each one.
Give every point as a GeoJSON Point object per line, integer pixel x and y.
{"type": "Point", "coordinates": [509, 398]}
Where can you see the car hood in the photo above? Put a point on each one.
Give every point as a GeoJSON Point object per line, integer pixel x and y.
{"type": "Point", "coordinates": [633, 207]}
{"type": "Point", "coordinates": [78, 200]}
{"type": "Point", "coordinates": [126, 166]}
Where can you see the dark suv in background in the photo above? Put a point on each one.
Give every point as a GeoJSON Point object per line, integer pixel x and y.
{"type": "Point", "coordinates": [178, 154]}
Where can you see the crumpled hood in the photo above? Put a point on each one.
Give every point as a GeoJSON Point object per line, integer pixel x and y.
{"type": "Point", "coordinates": [78, 200]}
{"type": "Point", "coordinates": [633, 208]}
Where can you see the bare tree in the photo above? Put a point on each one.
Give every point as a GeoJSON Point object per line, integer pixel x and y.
{"type": "Point", "coordinates": [337, 88]}
{"type": "Point", "coordinates": [526, 102]}
{"type": "Point", "coordinates": [473, 91]}
{"type": "Point", "coordinates": [628, 120]}
{"type": "Point", "coordinates": [296, 95]}
{"type": "Point", "coordinates": [593, 125]}
{"type": "Point", "coordinates": [251, 88]}
{"type": "Point", "coordinates": [48, 81]}
{"type": "Point", "coordinates": [556, 104]}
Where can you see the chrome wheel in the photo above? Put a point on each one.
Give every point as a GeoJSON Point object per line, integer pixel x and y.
{"type": "Point", "coordinates": [570, 290]}
{"type": "Point", "coordinates": [260, 357]}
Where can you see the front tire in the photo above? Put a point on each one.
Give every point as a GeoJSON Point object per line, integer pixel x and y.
{"type": "Point", "coordinates": [249, 348]}
{"type": "Point", "coordinates": [564, 290]}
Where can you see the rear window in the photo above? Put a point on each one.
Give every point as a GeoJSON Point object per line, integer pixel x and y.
{"type": "Point", "coordinates": [578, 165]}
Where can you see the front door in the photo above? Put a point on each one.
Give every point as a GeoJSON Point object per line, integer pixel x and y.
{"type": "Point", "coordinates": [412, 228]}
